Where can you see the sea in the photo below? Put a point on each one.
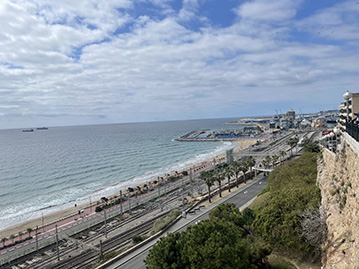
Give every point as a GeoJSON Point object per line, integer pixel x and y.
{"type": "Point", "coordinates": [45, 171]}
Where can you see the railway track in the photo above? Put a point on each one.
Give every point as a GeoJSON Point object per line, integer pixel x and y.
{"type": "Point", "coordinates": [90, 245]}
{"type": "Point", "coordinates": [87, 258]}
{"type": "Point", "coordinates": [72, 247]}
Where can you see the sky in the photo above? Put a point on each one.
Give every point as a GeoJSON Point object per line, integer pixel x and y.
{"type": "Point", "coordinates": [98, 62]}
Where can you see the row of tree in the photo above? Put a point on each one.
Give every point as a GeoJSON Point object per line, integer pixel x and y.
{"type": "Point", "coordinates": [225, 171]}
{"type": "Point", "coordinates": [12, 237]}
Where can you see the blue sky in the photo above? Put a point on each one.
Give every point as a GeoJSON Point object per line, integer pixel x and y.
{"type": "Point", "coordinates": [97, 62]}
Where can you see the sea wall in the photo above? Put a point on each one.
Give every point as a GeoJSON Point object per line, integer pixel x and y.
{"type": "Point", "coordinates": [338, 179]}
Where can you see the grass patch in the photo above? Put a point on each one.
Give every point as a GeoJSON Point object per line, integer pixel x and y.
{"type": "Point", "coordinates": [278, 262]}
{"type": "Point", "coordinates": [163, 222]}
{"type": "Point", "coordinates": [259, 202]}
{"type": "Point", "coordinates": [109, 256]}
{"type": "Point", "coordinates": [265, 190]}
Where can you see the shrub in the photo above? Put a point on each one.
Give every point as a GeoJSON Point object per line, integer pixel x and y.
{"type": "Point", "coordinates": [266, 189]}
{"type": "Point", "coordinates": [137, 239]}
{"type": "Point", "coordinates": [109, 256]}
{"type": "Point", "coordinates": [293, 189]}
{"type": "Point", "coordinates": [163, 222]}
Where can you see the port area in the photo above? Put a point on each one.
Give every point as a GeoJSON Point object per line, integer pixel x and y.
{"type": "Point", "coordinates": [248, 132]}
{"type": "Point", "coordinates": [260, 122]}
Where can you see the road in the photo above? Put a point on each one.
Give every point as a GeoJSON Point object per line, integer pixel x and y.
{"type": "Point", "coordinates": [240, 197]}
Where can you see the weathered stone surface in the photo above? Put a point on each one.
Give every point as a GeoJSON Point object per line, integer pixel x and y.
{"type": "Point", "coordinates": [338, 180]}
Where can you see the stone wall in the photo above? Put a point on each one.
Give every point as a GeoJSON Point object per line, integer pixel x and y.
{"type": "Point", "coordinates": [338, 179]}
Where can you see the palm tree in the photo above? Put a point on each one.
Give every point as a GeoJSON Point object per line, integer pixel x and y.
{"type": "Point", "coordinates": [292, 142]}
{"type": "Point", "coordinates": [274, 160]}
{"type": "Point", "coordinates": [244, 168]}
{"type": "Point", "coordinates": [267, 161]}
{"type": "Point", "coordinates": [20, 234]}
{"type": "Point", "coordinates": [251, 162]}
{"type": "Point", "coordinates": [207, 177]}
{"type": "Point", "coordinates": [12, 238]}
{"type": "Point", "coordinates": [282, 155]}
{"type": "Point", "coordinates": [236, 168]}
{"type": "Point", "coordinates": [218, 176]}
{"type": "Point", "coordinates": [228, 173]}
{"type": "Point", "coordinates": [295, 142]}
{"type": "Point", "coordinates": [29, 230]}
{"type": "Point", "coordinates": [3, 240]}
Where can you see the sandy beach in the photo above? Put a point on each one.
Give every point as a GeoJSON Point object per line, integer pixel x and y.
{"type": "Point", "coordinates": [51, 218]}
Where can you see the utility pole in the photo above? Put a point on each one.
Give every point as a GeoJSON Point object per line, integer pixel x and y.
{"type": "Point", "coordinates": [121, 202]}
{"type": "Point", "coordinates": [57, 245]}
{"type": "Point", "coordinates": [129, 205]}
{"type": "Point", "coordinates": [105, 224]}
{"type": "Point", "coordinates": [90, 204]}
{"type": "Point", "coordinates": [42, 218]}
{"type": "Point", "coordinates": [37, 243]}
{"type": "Point", "coordinates": [183, 189]}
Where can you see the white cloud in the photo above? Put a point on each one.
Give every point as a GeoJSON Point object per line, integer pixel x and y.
{"type": "Point", "coordinates": [160, 68]}
{"type": "Point", "coordinates": [188, 10]}
{"type": "Point", "coordinates": [339, 22]}
{"type": "Point", "coordinates": [269, 10]}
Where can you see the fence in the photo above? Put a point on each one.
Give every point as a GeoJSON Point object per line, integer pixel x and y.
{"type": "Point", "coordinates": [353, 130]}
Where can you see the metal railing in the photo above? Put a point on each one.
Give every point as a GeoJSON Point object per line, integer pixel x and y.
{"type": "Point", "coordinates": [353, 130]}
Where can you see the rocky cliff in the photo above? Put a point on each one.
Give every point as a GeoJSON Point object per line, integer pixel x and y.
{"type": "Point", "coordinates": [338, 179]}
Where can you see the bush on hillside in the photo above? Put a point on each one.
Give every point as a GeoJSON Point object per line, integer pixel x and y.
{"type": "Point", "coordinates": [293, 189]}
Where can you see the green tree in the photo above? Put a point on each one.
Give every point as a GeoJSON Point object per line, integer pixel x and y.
{"type": "Point", "coordinates": [12, 237]}
{"type": "Point", "coordinates": [218, 177]}
{"type": "Point", "coordinates": [312, 147]}
{"type": "Point", "coordinates": [236, 168]}
{"type": "Point", "coordinates": [293, 189]}
{"type": "Point", "coordinates": [167, 253]}
{"type": "Point", "coordinates": [3, 240]}
{"type": "Point", "coordinates": [251, 162]}
{"type": "Point", "coordinates": [267, 161]}
{"type": "Point", "coordinates": [244, 168]}
{"type": "Point", "coordinates": [228, 174]}
{"type": "Point", "coordinates": [275, 159]}
{"type": "Point", "coordinates": [293, 141]}
{"type": "Point", "coordinates": [282, 154]}
{"type": "Point", "coordinates": [218, 242]}
{"type": "Point", "coordinates": [20, 235]}
{"type": "Point", "coordinates": [29, 230]}
{"type": "Point", "coordinates": [207, 177]}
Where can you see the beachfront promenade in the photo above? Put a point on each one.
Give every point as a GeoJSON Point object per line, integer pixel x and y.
{"type": "Point", "coordinates": [87, 217]}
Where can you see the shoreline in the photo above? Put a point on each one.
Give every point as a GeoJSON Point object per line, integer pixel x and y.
{"type": "Point", "coordinates": [58, 215]}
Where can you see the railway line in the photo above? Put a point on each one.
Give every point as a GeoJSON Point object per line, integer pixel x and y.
{"type": "Point", "coordinates": [84, 253]}
{"type": "Point", "coordinates": [88, 258]}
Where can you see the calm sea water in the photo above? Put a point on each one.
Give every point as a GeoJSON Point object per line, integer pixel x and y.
{"type": "Point", "coordinates": [46, 171]}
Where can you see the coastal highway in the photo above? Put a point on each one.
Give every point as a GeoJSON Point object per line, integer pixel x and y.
{"type": "Point", "coordinates": [242, 197]}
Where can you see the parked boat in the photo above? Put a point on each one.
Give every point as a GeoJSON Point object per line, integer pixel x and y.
{"type": "Point", "coordinates": [42, 128]}
{"type": "Point", "coordinates": [28, 130]}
